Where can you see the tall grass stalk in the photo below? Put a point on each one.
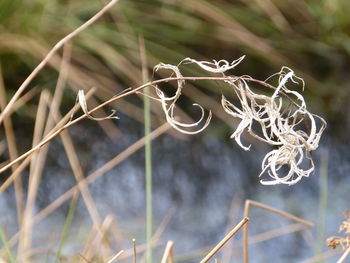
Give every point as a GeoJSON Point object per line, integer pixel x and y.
{"type": "Point", "coordinates": [12, 148]}
{"type": "Point", "coordinates": [148, 171]}
{"type": "Point", "coordinates": [66, 227]}
{"type": "Point", "coordinates": [322, 205]}
{"type": "Point", "coordinates": [148, 154]}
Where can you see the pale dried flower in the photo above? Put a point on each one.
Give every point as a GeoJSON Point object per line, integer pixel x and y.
{"type": "Point", "coordinates": [169, 104]}
{"type": "Point", "coordinates": [277, 120]}
{"type": "Point", "coordinates": [279, 124]}
{"type": "Point", "coordinates": [82, 101]}
{"type": "Point", "coordinates": [344, 242]}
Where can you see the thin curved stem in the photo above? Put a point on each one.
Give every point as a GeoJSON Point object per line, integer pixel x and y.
{"type": "Point", "coordinates": [125, 94]}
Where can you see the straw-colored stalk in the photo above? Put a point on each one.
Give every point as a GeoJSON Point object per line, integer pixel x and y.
{"type": "Point", "coordinates": [247, 206]}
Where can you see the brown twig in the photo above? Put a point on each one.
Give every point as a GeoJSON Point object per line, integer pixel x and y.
{"type": "Point", "coordinates": [224, 240]}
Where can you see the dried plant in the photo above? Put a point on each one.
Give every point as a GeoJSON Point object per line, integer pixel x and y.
{"type": "Point", "coordinates": [279, 118]}
{"type": "Point", "coordinates": [344, 242]}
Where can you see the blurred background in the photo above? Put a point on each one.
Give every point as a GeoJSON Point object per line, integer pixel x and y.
{"type": "Point", "coordinates": [200, 182]}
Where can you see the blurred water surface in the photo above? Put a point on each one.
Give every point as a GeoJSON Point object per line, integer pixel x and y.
{"type": "Point", "coordinates": [205, 179]}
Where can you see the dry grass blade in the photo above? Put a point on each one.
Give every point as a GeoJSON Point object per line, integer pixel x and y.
{"type": "Point", "coordinates": [79, 176]}
{"type": "Point", "coordinates": [15, 174]}
{"type": "Point", "coordinates": [3, 146]}
{"type": "Point", "coordinates": [50, 55]}
{"type": "Point", "coordinates": [24, 99]}
{"type": "Point", "coordinates": [230, 30]}
{"type": "Point", "coordinates": [159, 231]}
{"type": "Point", "coordinates": [113, 259]}
{"type": "Point", "coordinates": [224, 240]}
{"type": "Point", "coordinates": [74, 161]}
{"type": "Point", "coordinates": [28, 156]}
{"type": "Point", "coordinates": [274, 14]}
{"type": "Point", "coordinates": [134, 249]}
{"type": "Point", "coordinates": [38, 161]}
{"type": "Point", "coordinates": [95, 175]}
{"type": "Point", "coordinates": [34, 181]}
{"type": "Point", "coordinates": [139, 249]}
{"type": "Point", "coordinates": [12, 148]}
{"type": "Point", "coordinates": [344, 256]}
{"type": "Point", "coordinates": [276, 233]}
{"type": "Point", "coordinates": [168, 254]}
{"type": "Point", "coordinates": [100, 244]}
{"type": "Point", "coordinates": [232, 216]}
{"type": "Point", "coordinates": [247, 206]}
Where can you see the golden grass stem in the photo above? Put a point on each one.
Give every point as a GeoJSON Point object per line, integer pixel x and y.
{"type": "Point", "coordinates": [79, 177]}
{"type": "Point", "coordinates": [247, 206]}
{"type": "Point", "coordinates": [276, 233]}
{"type": "Point", "coordinates": [13, 151]}
{"type": "Point", "coordinates": [113, 259]}
{"type": "Point", "coordinates": [134, 249]}
{"type": "Point", "coordinates": [233, 216]}
{"type": "Point", "coordinates": [281, 213]}
{"type": "Point", "coordinates": [344, 256]}
{"type": "Point", "coordinates": [34, 181]}
{"type": "Point", "coordinates": [24, 164]}
{"type": "Point", "coordinates": [95, 175]}
{"type": "Point", "coordinates": [224, 240]}
{"type": "Point", "coordinates": [24, 99]}
{"type": "Point", "coordinates": [168, 254]}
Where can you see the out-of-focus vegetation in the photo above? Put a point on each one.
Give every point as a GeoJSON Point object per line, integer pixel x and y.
{"type": "Point", "coordinates": [312, 37]}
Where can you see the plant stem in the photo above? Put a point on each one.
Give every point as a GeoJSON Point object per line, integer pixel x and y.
{"type": "Point", "coordinates": [120, 96]}
{"type": "Point", "coordinates": [148, 166]}
{"type": "Point", "coordinates": [66, 227]}
{"type": "Point", "coordinates": [148, 152]}
{"type": "Point", "coordinates": [322, 205]}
